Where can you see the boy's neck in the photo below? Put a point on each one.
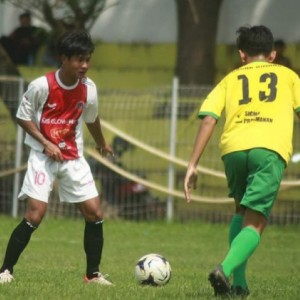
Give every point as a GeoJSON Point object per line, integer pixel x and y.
{"type": "Point", "coordinates": [66, 79]}
{"type": "Point", "coordinates": [260, 57]}
{"type": "Point", "coordinates": [246, 59]}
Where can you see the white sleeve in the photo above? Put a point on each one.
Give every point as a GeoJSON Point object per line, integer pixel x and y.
{"type": "Point", "coordinates": [90, 111]}
{"type": "Point", "coordinates": [32, 100]}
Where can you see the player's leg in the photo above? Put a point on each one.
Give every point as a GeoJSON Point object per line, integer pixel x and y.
{"type": "Point", "coordinates": [38, 184]}
{"type": "Point", "coordinates": [236, 169]}
{"type": "Point", "coordinates": [77, 186]}
{"type": "Point", "coordinates": [22, 233]}
{"type": "Point", "coordinates": [93, 235]}
{"type": "Point", "coordinates": [239, 281]}
{"type": "Point", "coordinates": [246, 242]}
{"type": "Point", "coordinates": [93, 239]}
{"type": "Point", "coordinates": [265, 174]}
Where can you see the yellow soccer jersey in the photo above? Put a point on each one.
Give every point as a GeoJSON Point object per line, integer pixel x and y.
{"type": "Point", "coordinates": [259, 100]}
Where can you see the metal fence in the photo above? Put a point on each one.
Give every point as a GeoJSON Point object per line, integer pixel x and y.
{"type": "Point", "coordinates": [152, 132]}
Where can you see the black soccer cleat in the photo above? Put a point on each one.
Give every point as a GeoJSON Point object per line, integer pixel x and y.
{"type": "Point", "coordinates": [219, 282]}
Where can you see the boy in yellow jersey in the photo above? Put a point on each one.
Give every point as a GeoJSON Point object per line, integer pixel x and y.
{"type": "Point", "coordinates": [259, 100]}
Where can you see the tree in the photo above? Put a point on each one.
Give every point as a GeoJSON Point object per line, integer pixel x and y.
{"type": "Point", "coordinates": [63, 14]}
{"type": "Point", "coordinates": [197, 28]}
{"type": "Point", "coordinates": [60, 16]}
{"type": "Point", "coordinates": [8, 68]}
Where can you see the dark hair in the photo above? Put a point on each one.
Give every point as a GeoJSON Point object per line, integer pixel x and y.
{"type": "Point", "coordinates": [75, 42]}
{"type": "Point", "coordinates": [255, 40]}
{"type": "Point", "coordinates": [25, 14]}
{"type": "Point", "coordinates": [279, 43]}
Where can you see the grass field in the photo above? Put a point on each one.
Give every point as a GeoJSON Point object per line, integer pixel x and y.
{"type": "Point", "coordinates": [53, 264]}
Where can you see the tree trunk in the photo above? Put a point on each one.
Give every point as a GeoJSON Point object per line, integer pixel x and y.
{"type": "Point", "coordinates": [7, 67]}
{"type": "Point", "coordinates": [197, 29]}
{"type": "Point", "coordinates": [8, 89]}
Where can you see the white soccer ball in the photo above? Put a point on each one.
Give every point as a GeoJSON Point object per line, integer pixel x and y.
{"type": "Point", "coordinates": [153, 269]}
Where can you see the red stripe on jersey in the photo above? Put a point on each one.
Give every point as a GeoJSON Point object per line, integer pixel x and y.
{"type": "Point", "coordinates": [60, 115]}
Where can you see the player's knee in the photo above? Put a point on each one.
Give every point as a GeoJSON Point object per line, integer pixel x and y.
{"type": "Point", "coordinates": [91, 210]}
{"type": "Point", "coordinates": [35, 211]}
{"type": "Point", "coordinates": [239, 209]}
{"type": "Point", "coordinates": [94, 216]}
{"type": "Point", "coordinates": [255, 219]}
{"type": "Point", "coordinates": [92, 213]}
{"type": "Point", "coordinates": [34, 218]}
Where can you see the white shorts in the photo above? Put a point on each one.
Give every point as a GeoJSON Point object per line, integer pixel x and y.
{"type": "Point", "coordinates": [76, 182]}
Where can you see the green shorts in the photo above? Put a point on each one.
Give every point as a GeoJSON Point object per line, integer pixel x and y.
{"type": "Point", "coordinates": [253, 177]}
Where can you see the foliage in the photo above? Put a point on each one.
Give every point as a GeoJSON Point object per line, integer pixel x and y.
{"type": "Point", "coordinates": [63, 14]}
{"type": "Point", "coordinates": [197, 27]}
{"type": "Point", "coordinates": [60, 16]}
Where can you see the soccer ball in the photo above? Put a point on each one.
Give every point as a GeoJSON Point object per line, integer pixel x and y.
{"type": "Point", "coordinates": [153, 269]}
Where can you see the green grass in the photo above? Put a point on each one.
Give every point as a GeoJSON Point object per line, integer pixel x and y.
{"type": "Point", "coordinates": [53, 264]}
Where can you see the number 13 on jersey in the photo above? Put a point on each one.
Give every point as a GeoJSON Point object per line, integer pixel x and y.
{"type": "Point", "coordinates": [268, 94]}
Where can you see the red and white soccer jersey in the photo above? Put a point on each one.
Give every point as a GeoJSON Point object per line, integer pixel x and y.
{"type": "Point", "coordinates": [59, 110]}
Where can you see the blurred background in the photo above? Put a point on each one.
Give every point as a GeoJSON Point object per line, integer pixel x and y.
{"type": "Point", "coordinates": [154, 63]}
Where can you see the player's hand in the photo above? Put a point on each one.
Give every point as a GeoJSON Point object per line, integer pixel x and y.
{"type": "Point", "coordinates": [190, 181]}
{"type": "Point", "coordinates": [52, 151]}
{"type": "Point", "coordinates": [105, 150]}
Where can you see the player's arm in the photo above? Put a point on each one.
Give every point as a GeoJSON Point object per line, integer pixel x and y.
{"type": "Point", "coordinates": [50, 149]}
{"type": "Point", "coordinates": [203, 136]}
{"type": "Point", "coordinates": [92, 120]}
{"type": "Point", "coordinates": [27, 109]}
{"type": "Point", "coordinates": [96, 132]}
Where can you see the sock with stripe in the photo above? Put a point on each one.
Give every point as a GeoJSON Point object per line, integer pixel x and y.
{"type": "Point", "coordinates": [16, 244]}
{"type": "Point", "coordinates": [93, 244]}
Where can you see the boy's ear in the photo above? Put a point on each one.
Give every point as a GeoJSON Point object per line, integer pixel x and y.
{"type": "Point", "coordinates": [63, 58]}
{"type": "Point", "coordinates": [243, 56]}
{"type": "Point", "coordinates": [272, 56]}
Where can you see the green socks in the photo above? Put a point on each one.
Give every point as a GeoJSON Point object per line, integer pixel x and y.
{"type": "Point", "coordinates": [241, 249]}
{"type": "Point", "coordinates": [239, 274]}
{"type": "Point", "coordinates": [235, 227]}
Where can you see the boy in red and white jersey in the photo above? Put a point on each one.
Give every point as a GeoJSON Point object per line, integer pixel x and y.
{"type": "Point", "coordinates": [52, 112]}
